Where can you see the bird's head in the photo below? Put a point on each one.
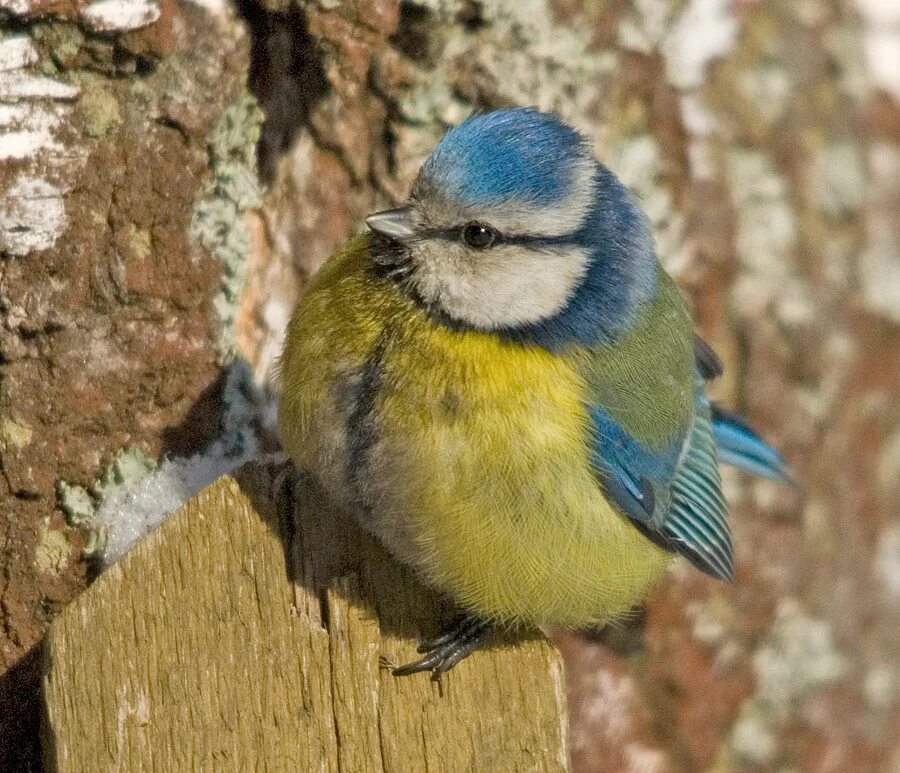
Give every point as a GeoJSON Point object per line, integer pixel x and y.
{"type": "Point", "coordinates": [509, 221]}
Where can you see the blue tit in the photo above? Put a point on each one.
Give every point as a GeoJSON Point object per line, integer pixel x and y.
{"type": "Point", "coordinates": [503, 385]}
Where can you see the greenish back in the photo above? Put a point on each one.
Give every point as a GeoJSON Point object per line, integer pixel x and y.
{"type": "Point", "coordinates": [645, 379]}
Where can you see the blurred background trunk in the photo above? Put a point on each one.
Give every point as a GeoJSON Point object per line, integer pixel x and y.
{"type": "Point", "coordinates": [172, 173]}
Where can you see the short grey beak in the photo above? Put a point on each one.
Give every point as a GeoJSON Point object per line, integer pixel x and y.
{"type": "Point", "coordinates": [397, 224]}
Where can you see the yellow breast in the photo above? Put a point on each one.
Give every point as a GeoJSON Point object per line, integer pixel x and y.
{"type": "Point", "coordinates": [466, 455]}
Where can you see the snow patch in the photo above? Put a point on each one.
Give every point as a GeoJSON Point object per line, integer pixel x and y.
{"type": "Point", "coordinates": [132, 510]}
{"type": "Point", "coordinates": [133, 513]}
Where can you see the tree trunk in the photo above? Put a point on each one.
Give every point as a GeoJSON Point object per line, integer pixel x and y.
{"type": "Point", "coordinates": [763, 140]}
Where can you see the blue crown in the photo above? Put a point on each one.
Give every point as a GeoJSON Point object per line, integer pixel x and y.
{"type": "Point", "coordinates": [494, 158]}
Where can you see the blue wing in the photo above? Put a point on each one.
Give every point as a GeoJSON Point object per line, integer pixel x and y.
{"type": "Point", "coordinates": [739, 446]}
{"type": "Point", "coordinates": [673, 494]}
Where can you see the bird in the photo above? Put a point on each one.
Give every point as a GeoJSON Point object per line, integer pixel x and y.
{"type": "Point", "coordinates": [502, 384]}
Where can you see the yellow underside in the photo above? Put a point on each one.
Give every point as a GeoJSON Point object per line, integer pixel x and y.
{"type": "Point", "coordinates": [479, 475]}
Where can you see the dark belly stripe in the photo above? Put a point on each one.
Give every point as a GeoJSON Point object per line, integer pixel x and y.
{"type": "Point", "coordinates": [361, 429]}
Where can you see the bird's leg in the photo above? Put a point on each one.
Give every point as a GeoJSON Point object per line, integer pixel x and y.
{"type": "Point", "coordinates": [465, 635]}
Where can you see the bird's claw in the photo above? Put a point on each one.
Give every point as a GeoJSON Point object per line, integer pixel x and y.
{"type": "Point", "coordinates": [465, 635]}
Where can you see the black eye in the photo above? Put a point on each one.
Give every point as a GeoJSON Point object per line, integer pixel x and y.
{"type": "Point", "coordinates": [478, 236]}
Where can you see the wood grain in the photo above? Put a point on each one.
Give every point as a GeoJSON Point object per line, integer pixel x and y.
{"type": "Point", "coordinates": [249, 633]}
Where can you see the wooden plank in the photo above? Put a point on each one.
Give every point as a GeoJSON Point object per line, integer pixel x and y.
{"type": "Point", "coordinates": [247, 634]}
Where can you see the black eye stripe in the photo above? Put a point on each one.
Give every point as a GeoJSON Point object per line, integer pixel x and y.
{"type": "Point", "coordinates": [454, 234]}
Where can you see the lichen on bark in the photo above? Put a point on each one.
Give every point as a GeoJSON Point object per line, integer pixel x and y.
{"type": "Point", "coordinates": [762, 138]}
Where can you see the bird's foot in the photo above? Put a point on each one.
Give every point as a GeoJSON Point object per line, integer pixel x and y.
{"type": "Point", "coordinates": [465, 635]}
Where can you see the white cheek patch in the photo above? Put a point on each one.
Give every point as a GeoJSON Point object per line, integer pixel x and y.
{"type": "Point", "coordinates": [506, 286]}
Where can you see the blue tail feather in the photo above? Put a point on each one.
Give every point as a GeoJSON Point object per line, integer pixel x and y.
{"type": "Point", "coordinates": [738, 445]}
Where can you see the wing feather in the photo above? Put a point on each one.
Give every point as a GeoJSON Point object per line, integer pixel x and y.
{"type": "Point", "coordinates": [679, 483]}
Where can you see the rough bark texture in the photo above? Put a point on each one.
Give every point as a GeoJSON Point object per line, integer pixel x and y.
{"type": "Point", "coordinates": [109, 333]}
{"type": "Point", "coordinates": [763, 138]}
{"type": "Point", "coordinates": [258, 649]}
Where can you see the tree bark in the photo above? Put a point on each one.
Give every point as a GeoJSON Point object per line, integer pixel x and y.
{"type": "Point", "coordinates": [763, 140]}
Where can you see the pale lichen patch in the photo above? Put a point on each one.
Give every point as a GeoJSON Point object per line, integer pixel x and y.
{"type": "Point", "coordinates": [32, 216]}
{"type": "Point", "coordinates": [14, 434]}
{"type": "Point", "coordinates": [837, 178]}
{"type": "Point", "coordinates": [76, 502]}
{"type": "Point", "coordinates": [753, 738]}
{"type": "Point", "coordinates": [22, 144]}
{"type": "Point", "coordinates": [30, 130]}
{"type": "Point", "coordinates": [139, 241]}
{"type": "Point", "coordinates": [887, 561]}
{"type": "Point", "coordinates": [889, 463]}
{"type": "Point", "coordinates": [798, 658]}
{"type": "Point", "coordinates": [881, 42]}
{"type": "Point", "coordinates": [881, 686]}
{"type": "Point", "coordinates": [766, 89]}
{"type": "Point", "coordinates": [217, 7]}
{"type": "Point", "coordinates": [219, 221]}
{"type": "Point", "coordinates": [100, 112]}
{"type": "Point", "coordinates": [702, 125]}
{"type": "Point", "coordinates": [17, 52]}
{"type": "Point", "coordinates": [19, 86]}
{"type": "Point", "coordinates": [34, 114]}
{"type": "Point", "coordinates": [705, 30]}
{"type": "Point", "coordinates": [637, 160]}
{"type": "Point", "coordinates": [646, 26]}
{"type": "Point", "coordinates": [879, 264]}
{"type": "Point", "coordinates": [767, 229]}
{"type": "Point", "coordinates": [120, 15]}
{"type": "Point", "coordinates": [529, 58]}
{"type": "Point", "coordinates": [51, 555]}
